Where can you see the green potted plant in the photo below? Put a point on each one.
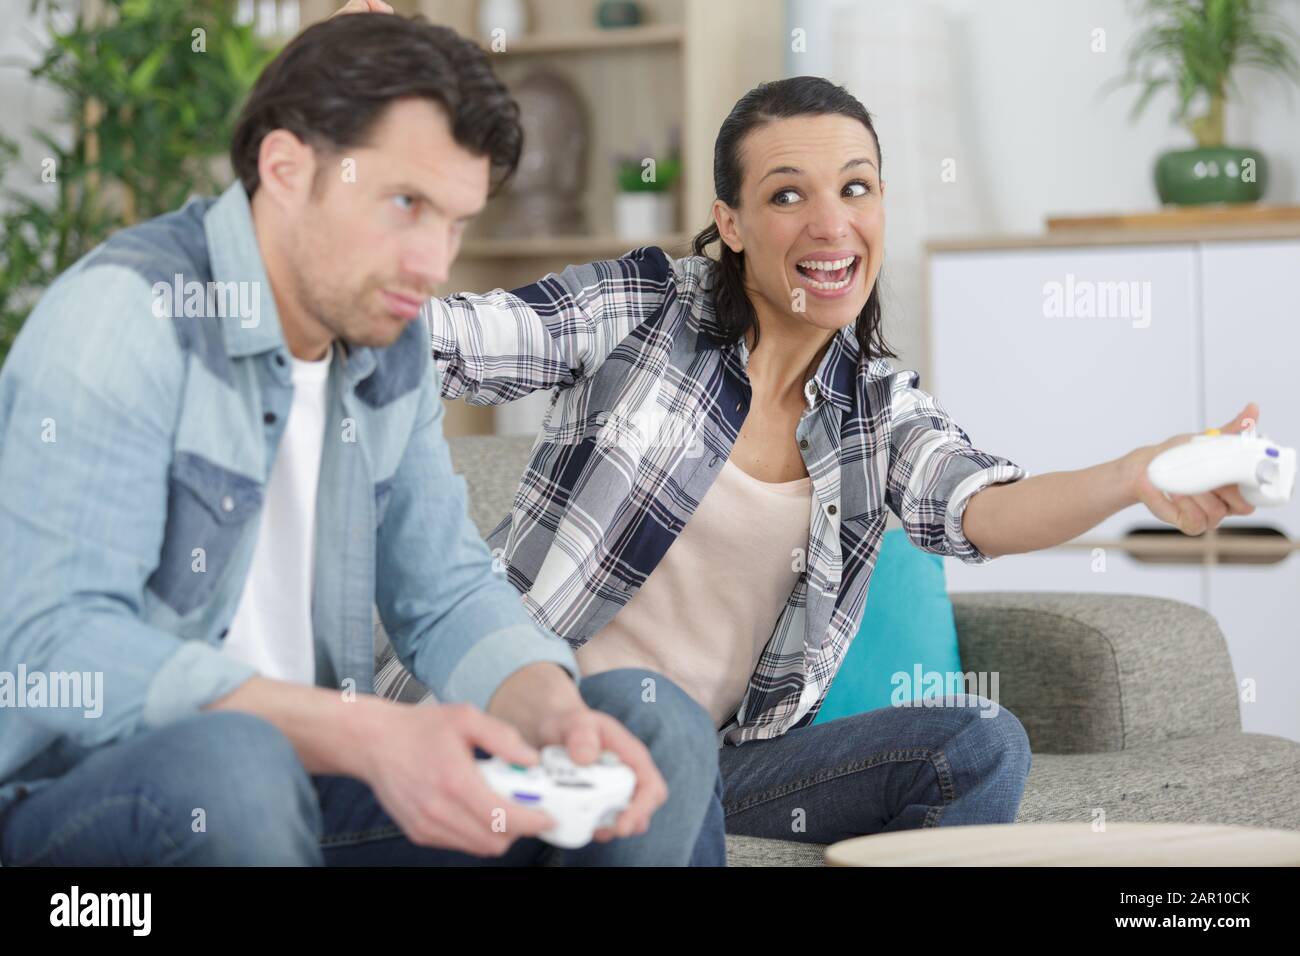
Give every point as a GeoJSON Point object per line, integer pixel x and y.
{"type": "Point", "coordinates": [1196, 47]}
{"type": "Point", "coordinates": [150, 90]}
{"type": "Point", "coordinates": [644, 204]}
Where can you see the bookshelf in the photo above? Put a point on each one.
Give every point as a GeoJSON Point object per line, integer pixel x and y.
{"type": "Point", "coordinates": [683, 67]}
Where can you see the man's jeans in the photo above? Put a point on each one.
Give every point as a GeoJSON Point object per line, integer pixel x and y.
{"type": "Point", "coordinates": [896, 768]}
{"type": "Point", "coordinates": [137, 802]}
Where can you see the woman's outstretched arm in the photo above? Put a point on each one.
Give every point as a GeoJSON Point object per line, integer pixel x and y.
{"type": "Point", "coordinates": [498, 346]}
{"type": "Point", "coordinates": [1046, 510]}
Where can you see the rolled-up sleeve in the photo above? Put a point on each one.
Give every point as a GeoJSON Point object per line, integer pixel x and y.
{"type": "Point", "coordinates": [499, 346]}
{"type": "Point", "coordinates": [934, 470]}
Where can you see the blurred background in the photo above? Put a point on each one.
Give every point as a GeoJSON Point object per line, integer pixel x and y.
{"type": "Point", "coordinates": [1093, 210]}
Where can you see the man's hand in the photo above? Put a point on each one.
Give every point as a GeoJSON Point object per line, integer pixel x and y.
{"type": "Point", "coordinates": [419, 761]}
{"type": "Point", "coordinates": [544, 703]}
{"type": "Point", "coordinates": [585, 733]}
{"type": "Point", "coordinates": [1191, 514]}
{"type": "Point", "coordinates": [363, 6]}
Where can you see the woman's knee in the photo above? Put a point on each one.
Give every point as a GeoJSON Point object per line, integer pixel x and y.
{"type": "Point", "coordinates": [1000, 732]}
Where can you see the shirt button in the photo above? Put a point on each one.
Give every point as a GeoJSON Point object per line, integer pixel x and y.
{"type": "Point", "coordinates": [279, 360]}
{"type": "Point", "coordinates": [268, 417]}
{"type": "Point", "coordinates": [830, 509]}
{"type": "Point", "coordinates": [227, 503]}
{"type": "Point", "coordinates": [224, 632]}
{"type": "Point", "coordinates": [739, 405]}
{"type": "Point", "coordinates": [803, 443]}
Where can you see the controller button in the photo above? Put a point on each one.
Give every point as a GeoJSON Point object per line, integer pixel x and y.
{"type": "Point", "coordinates": [1211, 431]}
{"type": "Point", "coordinates": [1272, 453]}
{"type": "Point", "coordinates": [525, 797]}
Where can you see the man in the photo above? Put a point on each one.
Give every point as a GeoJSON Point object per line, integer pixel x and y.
{"type": "Point", "coordinates": [222, 449]}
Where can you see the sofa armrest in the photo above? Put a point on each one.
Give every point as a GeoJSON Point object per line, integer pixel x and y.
{"type": "Point", "coordinates": [1087, 673]}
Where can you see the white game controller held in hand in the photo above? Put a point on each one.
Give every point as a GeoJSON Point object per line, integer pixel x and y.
{"type": "Point", "coordinates": [580, 799]}
{"type": "Point", "coordinates": [1262, 470]}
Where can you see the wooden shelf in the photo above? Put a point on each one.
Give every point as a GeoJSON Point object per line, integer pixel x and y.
{"type": "Point", "coordinates": [1173, 217]}
{"type": "Point", "coordinates": [1209, 547]}
{"type": "Point", "coordinates": [591, 41]}
{"type": "Point", "coordinates": [546, 247]}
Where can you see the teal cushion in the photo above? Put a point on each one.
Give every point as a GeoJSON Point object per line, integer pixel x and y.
{"type": "Point", "coordinates": [907, 628]}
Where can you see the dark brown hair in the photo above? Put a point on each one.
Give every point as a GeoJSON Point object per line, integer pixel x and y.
{"type": "Point", "coordinates": [331, 83]}
{"type": "Point", "coordinates": [778, 99]}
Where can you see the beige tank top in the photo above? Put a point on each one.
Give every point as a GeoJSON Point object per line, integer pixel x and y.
{"type": "Point", "coordinates": [707, 610]}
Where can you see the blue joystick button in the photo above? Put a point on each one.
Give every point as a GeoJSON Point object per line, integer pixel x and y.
{"type": "Point", "coordinates": [1272, 453]}
{"type": "Point", "coordinates": [525, 797]}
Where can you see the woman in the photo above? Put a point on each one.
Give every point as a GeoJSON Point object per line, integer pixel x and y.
{"type": "Point", "coordinates": [708, 502]}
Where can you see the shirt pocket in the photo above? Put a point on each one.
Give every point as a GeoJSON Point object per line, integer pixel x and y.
{"type": "Point", "coordinates": [208, 508]}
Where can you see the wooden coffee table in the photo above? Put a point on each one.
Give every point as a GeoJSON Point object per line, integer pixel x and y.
{"type": "Point", "coordinates": [1072, 844]}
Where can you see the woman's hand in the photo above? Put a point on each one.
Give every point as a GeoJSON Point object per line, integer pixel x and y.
{"type": "Point", "coordinates": [363, 6]}
{"type": "Point", "coordinates": [1191, 514]}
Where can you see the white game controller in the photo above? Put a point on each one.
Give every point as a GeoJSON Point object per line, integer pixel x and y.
{"type": "Point", "coordinates": [580, 799]}
{"type": "Point", "coordinates": [1264, 472]}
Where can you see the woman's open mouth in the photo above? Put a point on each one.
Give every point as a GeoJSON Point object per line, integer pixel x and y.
{"type": "Point", "coordinates": [828, 277]}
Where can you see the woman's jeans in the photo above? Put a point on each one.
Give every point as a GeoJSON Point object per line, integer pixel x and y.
{"type": "Point", "coordinates": [897, 768]}
{"type": "Point", "coordinates": [227, 788]}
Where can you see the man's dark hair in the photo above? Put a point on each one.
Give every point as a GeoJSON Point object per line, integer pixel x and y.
{"type": "Point", "coordinates": [331, 83]}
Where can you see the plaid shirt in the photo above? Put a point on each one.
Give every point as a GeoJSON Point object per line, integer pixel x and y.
{"type": "Point", "coordinates": [646, 404]}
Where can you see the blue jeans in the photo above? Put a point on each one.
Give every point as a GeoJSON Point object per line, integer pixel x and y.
{"type": "Point", "coordinates": [896, 768]}
{"type": "Point", "coordinates": [137, 802]}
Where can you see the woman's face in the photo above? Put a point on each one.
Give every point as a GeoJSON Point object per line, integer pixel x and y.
{"type": "Point", "coordinates": [811, 220]}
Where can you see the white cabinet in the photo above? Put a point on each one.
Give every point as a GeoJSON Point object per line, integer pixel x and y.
{"type": "Point", "coordinates": [1053, 389]}
{"type": "Point", "coordinates": [1163, 337]}
{"type": "Point", "coordinates": [1252, 346]}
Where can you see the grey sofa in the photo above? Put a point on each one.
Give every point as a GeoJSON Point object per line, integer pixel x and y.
{"type": "Point", "coordinates": [1129, 702]}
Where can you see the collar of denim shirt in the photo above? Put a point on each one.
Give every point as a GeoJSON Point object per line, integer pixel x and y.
{"type": "Point", "coordinates": [236, 257]}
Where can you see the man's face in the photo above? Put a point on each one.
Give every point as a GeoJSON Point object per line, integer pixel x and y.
{"type": "Point", "coordinates": [383, 224]}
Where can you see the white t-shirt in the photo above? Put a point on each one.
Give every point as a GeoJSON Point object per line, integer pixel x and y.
{"type": "Point", "coordinates": [272, 627]}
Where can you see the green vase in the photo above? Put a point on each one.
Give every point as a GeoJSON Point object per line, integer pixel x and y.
{"type": "Point", "coordinates": [618, 13]}
{"type": "Point", "coordinates": [1186, 177]}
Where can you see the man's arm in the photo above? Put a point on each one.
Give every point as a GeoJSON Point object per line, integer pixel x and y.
{"type": "Point", "coordinates": [330, 735]}
{"type": "Point", "coordinates": [88, 405]}
{"type": "Point", "coordinates": [456, 624]}
{"type": "Point", "coordinates": [499, 346]}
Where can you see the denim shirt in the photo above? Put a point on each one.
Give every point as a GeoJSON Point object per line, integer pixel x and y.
{"type": "Point", "coordinates": [136, 440]}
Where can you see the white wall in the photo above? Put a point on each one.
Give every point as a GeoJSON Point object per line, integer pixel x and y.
{"type": "Point", "coordinates": [23, 104]}
{"type": "Point", "coordinates": [1010, 90]}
